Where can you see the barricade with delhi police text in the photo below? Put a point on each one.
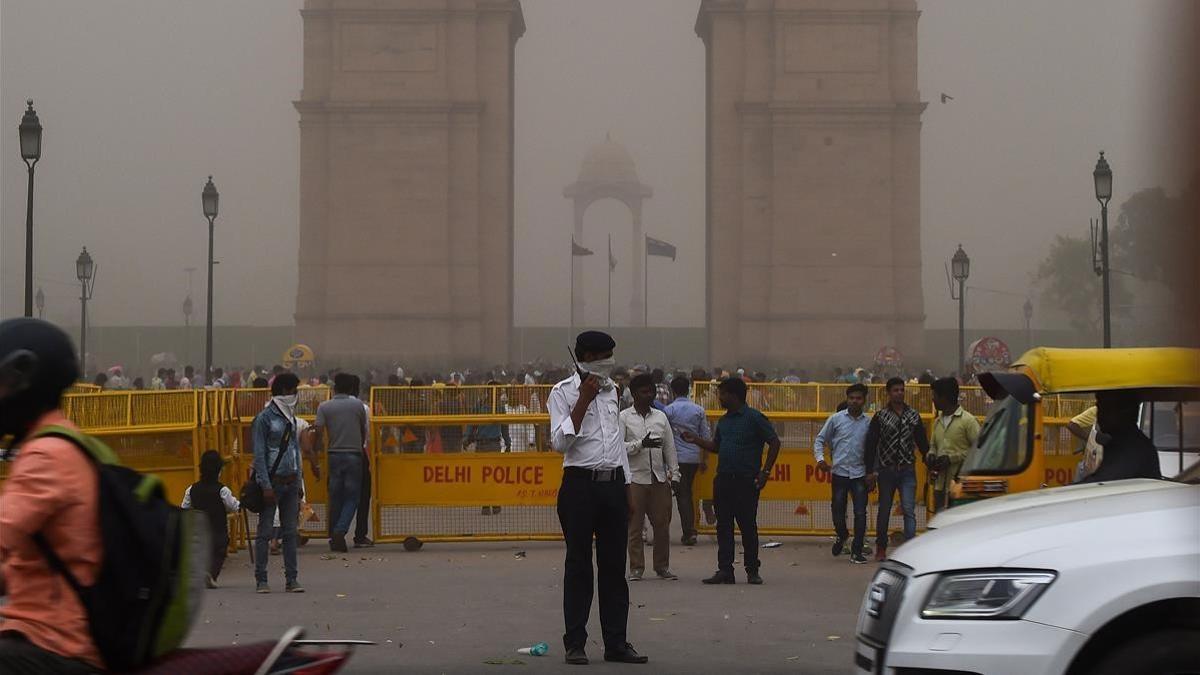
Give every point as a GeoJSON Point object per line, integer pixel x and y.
{"type": "Point", "coordinates": [473, 463]}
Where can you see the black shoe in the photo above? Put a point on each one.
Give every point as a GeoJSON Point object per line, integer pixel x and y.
{"type": "Point", "coordinates": [720, 578]}
{"type": "Point", "coordinates": [753, 578]}
{"type": "Point", "coordinates": [625, 654]}
{"type": "Point", "coordinates": [858, 559]}
{"type": "Point", "coordinates": [576, 656]}
{"type": "Point", "coordinates": [337, 543]}
{"type": "Point", "coordinates": [838, 545]}
{"type": "Point", "coordinates": [363, 543]}
{"type": "Point", "coordinates": [689, 541]}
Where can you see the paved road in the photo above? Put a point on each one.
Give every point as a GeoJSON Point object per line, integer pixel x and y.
{"type": "Point", "coordinates": [449, 608]}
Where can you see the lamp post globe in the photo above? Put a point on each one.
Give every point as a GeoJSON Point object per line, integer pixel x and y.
{"type": "Point", "coordinates": [960, 265]}
{"type": "Point", "coordinates": [31, 134]}
{"type": "Point", "coordinates": [30, 131]}
{"type": "Point", "coordinates": [1102, 177]}
{"type": "Point", "coordinates": [85, 267]}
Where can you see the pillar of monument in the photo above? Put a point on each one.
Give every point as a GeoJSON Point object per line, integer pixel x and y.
{"type": "Point", "coordinates": [813, 136]}
{"type": "Point", "coordinates": [406, 180]}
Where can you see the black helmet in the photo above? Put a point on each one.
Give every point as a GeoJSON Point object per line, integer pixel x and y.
{"type": "Point", "coordinates": [37, 364]}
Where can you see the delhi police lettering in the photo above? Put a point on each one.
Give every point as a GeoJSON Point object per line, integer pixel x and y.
{"type": "Point", "coordinates": [498, 474]}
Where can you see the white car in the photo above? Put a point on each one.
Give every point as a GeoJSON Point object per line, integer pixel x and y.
{"type": "Point", "coordinates": [1096, 578]}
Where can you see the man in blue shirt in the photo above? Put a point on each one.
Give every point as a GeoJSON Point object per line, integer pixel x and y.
{"type": "Point", "coordinates": [741, 475]}
{"type": "Point", "coordinates": [845, 432]}
{"type": "Point", "coordinates": [687, 415]}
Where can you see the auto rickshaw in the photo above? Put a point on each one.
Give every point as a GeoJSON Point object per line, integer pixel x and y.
{"type": "Point", "coordinates": [1011, 453]}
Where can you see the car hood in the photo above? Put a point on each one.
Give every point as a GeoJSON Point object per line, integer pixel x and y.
{"type": "Point", "coordinates": [1032, 530]}
{"type": "Point", "coordinates": [1038, 498]}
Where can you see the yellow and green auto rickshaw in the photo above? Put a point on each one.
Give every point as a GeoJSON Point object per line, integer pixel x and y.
{"type": "Point", "coordinates": [1025, 444]}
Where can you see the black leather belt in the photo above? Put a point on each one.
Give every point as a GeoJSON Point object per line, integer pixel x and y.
{"type": "Point", "coordinates": [596, 475]}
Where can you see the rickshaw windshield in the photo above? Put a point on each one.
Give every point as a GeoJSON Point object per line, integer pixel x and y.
{"type": "Point", "coordinates": [1003, 446]}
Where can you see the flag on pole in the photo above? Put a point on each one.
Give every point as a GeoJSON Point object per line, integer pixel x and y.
{"type": "Point", "coordinates": [576, 249]}
{"type": "Point", "coordinates": [612, 262]}
{"type": "Point", "coordinates": [660, 248]}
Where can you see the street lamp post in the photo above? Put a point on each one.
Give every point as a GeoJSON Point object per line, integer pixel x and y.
{"type": "Point", "coordinates": [85, 271]}
{"type": "Point", "coordinates": [187, 329]}
{"type": "Point", "coordinates": [31, 151]}
{"type": "Point", "coordinates": [209, 199]}
{"type": "Point", "coordinates": [40, 301]}
{"type": "Point", "coordinates": [1102, 177]}
{"type": "Point", "coordinates": [1028, 309]}
{"type": "Point", "coordinates": [960, 269]}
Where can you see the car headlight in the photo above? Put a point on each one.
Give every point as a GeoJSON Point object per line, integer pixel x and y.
{"type": "Point", "coordinates": [986, 594]}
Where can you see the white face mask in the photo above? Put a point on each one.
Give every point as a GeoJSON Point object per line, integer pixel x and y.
{"type": "Point", "coordinates": [602, 368]}
{"type": "Point", "coordinates": [288, 403]}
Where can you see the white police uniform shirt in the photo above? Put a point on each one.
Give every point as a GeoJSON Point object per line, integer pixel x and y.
{"type": "Point", "coordinates": [599, 443]}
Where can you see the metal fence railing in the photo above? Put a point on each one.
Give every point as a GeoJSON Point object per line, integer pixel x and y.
{"type": "Point", "coordinates": [472, 462]}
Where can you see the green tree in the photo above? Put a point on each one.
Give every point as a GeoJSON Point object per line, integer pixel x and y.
{"type": "Point", "coordinates": [1068, 283]}
{"type": "Point", "coordinates": [1155, 239]}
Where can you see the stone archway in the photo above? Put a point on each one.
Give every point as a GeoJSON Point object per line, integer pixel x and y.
{"type": "Point", "coordinates": [608, 172]}
{"type": "Point", "coordinates": [813, 180]}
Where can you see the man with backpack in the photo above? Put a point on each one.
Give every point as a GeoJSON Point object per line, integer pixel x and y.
{"type": "Point", "coordinates": [52, 490]}
{"type": "Point", "coordinates": [277, 472]}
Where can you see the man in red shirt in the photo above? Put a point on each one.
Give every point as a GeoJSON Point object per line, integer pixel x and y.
{"type": "Point", "coordinates": [52, 489]}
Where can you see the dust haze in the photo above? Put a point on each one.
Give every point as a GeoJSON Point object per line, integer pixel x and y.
{"type": "Point", "coordinates": [142, 100]}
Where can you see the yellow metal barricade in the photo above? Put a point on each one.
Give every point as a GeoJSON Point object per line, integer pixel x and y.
{"type": "Point", "coordinates": [474, 463]}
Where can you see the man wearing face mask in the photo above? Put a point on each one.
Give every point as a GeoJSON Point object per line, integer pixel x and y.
{"type": "Point", "coordinates": [594, 499]}
{"type": "Point", "coordinates": [281, 487]}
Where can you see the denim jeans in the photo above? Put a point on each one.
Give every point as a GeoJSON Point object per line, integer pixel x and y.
{"type": "Point", "coordinates": [856, 489]}
{"type": "Point", "coordinates": [287, 500]}
{"type": "Point", "coordinates": [904, 479]}
{"type": "Point", "coordinates": [345, 485]}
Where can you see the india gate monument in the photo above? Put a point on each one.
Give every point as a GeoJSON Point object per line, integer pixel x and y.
{"type": "Point", "coordinates": [813, 179]}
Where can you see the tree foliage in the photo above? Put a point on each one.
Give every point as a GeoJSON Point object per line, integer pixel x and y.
{"type": "Point", "coordinates": [1069, 284]}
{"type": "Point", "coordinates": [1155, 239]}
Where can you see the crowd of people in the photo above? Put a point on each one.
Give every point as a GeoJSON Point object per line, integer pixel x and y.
{"type": "Point", "coordinates": [117, 378]}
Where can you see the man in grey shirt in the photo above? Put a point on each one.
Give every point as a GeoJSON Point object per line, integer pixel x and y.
{"type": "Point", "coordinates": [343, 419]}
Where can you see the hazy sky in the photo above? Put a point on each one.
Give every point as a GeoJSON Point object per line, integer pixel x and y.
{"type": "Point", "coordinates": [142, 99]}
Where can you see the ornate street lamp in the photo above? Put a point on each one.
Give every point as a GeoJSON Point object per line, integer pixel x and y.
{"type": "Point", "coordinates": [960, 269]}
{"type": "Point", "coordinates": [31, 151]}
{"type": "Point", "coordinates": [209, 200]}
{"type": "Point", "coordinates": [1103, 178]}
{"type": "Point", "coordinates": [85, 271]}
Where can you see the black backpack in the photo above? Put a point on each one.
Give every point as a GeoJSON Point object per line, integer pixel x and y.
{"type": "Point", "coordinates": [148, 589]}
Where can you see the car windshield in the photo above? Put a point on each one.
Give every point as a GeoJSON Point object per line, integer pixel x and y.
{"type": "Point", "coordinates": [1002, 446]}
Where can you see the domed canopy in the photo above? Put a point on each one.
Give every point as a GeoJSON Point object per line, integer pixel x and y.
{"type": "Point", "coordinates": [608, 162]}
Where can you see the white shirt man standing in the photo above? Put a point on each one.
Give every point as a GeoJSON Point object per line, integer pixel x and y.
{"type": "Point", "coordinates": [650, 444]}
{"type": "Point", "coordinates": [594, 499]}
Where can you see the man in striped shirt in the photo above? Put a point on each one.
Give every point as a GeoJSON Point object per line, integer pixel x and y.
{"type": "Point", "coordinates": [895, 432]}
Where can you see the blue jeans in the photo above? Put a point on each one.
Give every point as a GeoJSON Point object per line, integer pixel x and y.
{"type": "Point", "coordinates": [287, 500]}
{"type": "Point", "coordinates": [856, 489]}
{"type": "Point", "coordinates": [891, 479]}
{"type": "Point", "coordinates": [345, 486]}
